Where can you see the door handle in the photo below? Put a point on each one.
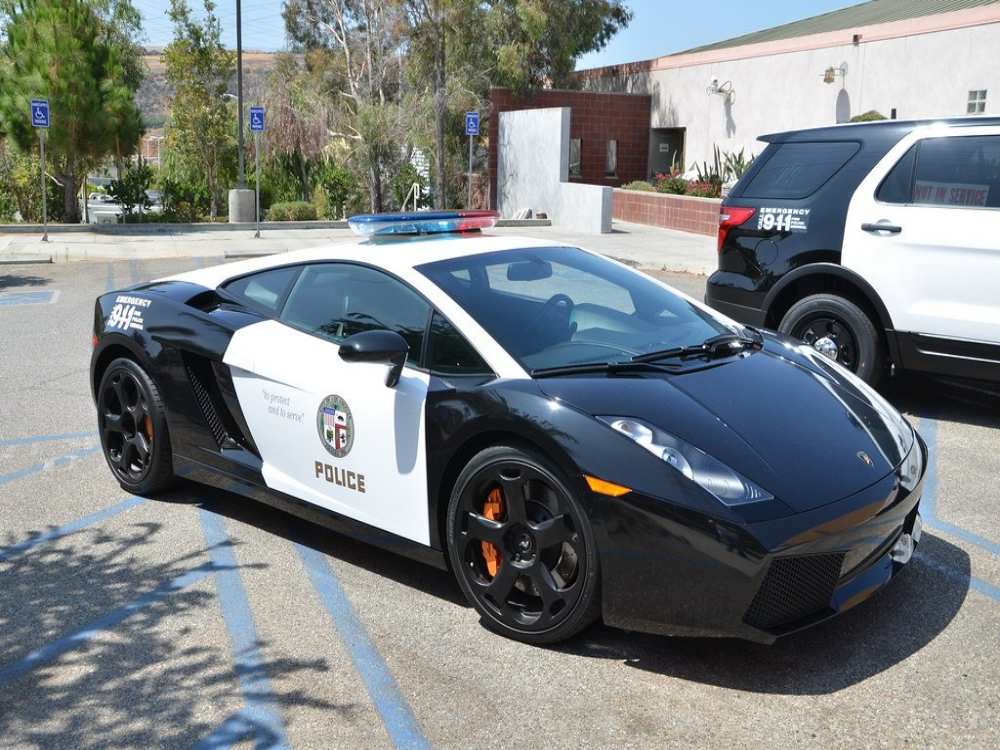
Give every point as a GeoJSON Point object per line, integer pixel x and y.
{"type": "Point", "coordinates": [880, 227]}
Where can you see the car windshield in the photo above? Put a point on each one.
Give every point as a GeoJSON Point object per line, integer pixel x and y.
{"type": "Point", "coordinates": [560, 306]}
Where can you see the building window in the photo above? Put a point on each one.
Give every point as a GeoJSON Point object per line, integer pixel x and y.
{"type": "Point", "coordinates": [977, 102]}
{"type": "Point", "coordinates": [611, 160]}
{"type": "Point", "coordinates": [575, 147]}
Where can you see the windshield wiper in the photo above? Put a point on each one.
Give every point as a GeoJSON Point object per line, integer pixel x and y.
{"type": "Point", "coordinates": [612, 368]}
{"type": "Point", "coordinates": [720, 346]}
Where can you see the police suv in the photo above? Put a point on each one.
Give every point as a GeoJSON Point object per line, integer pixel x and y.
{"type": "Point", "coordinates": [878, 244]}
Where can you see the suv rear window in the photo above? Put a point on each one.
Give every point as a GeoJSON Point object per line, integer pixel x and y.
{"type": "Point", "coordinates": [797, 170]}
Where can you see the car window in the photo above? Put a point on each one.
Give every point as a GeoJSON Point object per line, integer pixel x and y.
{"type": "Point", "coordinates": [266, 289]}
{"type": "Point", "coordinates": [797, 170]}
{"type": "Point", "coordinates": [450, 352]}
{"type": "Point", "coordinates": [958, 171]}
{"type": "Point", "coordinates": [337, 300]}
{"type": "Point", "coordinates": [556, 306]}
{"type": "Point", "coordinates": [897, 187]}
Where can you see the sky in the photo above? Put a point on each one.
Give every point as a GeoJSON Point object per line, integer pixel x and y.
{"type": "Point", "coordinates": [659, 27]}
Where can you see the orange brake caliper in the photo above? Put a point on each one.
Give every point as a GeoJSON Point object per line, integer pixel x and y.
{"type": "Point", "coordinates": [493, 510]}
{"type": "Point", "coordinates": [147, 425]}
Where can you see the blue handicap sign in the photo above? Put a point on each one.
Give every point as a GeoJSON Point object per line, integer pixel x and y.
{"type": "Point", "coordinates": [39, 113]}
{"type": "Point", "coordinates": [472, 123]}
{"type": "Point", "coordinates": [257, 119]}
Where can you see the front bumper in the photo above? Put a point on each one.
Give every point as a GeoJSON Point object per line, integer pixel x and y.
{"type": "Point", "coordinates": [675, 572]}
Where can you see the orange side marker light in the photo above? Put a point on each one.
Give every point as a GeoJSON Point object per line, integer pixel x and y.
{"type": "Point", "coordinates": [603, 487]}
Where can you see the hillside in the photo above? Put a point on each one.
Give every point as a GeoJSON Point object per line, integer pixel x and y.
{"type": "Point", "coordinates": [154, 94]}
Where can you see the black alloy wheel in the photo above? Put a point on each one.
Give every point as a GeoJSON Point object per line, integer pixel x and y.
{"type": "Point", "coordinates": [133, 429]}
{"type": "Point", "coordinates": [521, 547]}
{"type": "Point", "coordinates": [838, 329]}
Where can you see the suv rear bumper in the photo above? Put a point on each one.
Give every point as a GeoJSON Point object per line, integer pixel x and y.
{"type": "Point", "coordinates": [716, 297]}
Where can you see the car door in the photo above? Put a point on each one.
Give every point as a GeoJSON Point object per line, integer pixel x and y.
{"type": "Point", "coordinates": [922, 230]}
{"type": "Point", "coordinates": [331, 432]}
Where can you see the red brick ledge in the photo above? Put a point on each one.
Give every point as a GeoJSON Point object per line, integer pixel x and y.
{"type": "Point", "coordinates": [683, 212]}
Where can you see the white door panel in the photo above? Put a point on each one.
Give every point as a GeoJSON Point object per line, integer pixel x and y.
{"type": "Point", "coordinates": [282, 378]}
{"type": "Point", "coordinates": [939, 275]}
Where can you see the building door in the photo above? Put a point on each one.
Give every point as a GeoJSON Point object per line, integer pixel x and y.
{"type": "Point", "coordinates": [666, 148]}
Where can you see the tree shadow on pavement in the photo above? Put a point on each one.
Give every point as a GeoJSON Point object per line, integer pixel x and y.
{"type": "Point", "coordinates": [895, 623]}
{"type": "Point", "coordinates": [151, 678]}
{"type": "Point", "coordinates": [13, 281]}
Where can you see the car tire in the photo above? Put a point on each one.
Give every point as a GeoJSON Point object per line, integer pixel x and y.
{"type": "Point", "coordinates": [830, 316]}
{"type": "Point", "coordinates": [132, 425]}
{"type": "Point", "coordinates": [541, 583]}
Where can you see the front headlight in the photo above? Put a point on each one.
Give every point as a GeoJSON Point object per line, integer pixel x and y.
{"type": "Point", "coordinates": [709, 473]}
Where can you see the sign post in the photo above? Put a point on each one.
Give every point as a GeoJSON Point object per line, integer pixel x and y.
{"type": "Point", "coordinates": [257, 127]}
{"type": "Point", "coordinates": [471, 130]}
{"type": "Point", "coordinates": [40, 121]}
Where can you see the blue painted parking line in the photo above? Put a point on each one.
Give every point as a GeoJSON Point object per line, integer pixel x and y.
{"type": "Point", "coordinates": [16, 299]}
{"type": "Point", "coordinates": [57, 648]}
{"type": "Point", "coordinates": [928, 503]}
{"type": "Point", "coordinates": [9, 553]}
{"type": "Point", "coordinates": [250, 670]}
{"type": "Point", "coordinates": [402, 726]}
{"type": "Point", "coordinates": [47, 465]}
{"type": "Point", "coordinates": [977, 584]}
{"type": "Point", "coordinates": [29, 439]}
{"type": "Point", "coordinates": [110, 285]}
{"type": "Point", "coordinates": [133, 269]}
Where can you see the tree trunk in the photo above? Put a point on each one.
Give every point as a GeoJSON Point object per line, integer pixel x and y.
{"type": "Point", "coordinates": [71, 206]}
{"type": "Point", "coordinates": [439, 112]}
{"type": "Point", "coordinates": [375, 180]}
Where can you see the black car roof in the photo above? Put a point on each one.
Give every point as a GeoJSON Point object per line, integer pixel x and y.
{"type": "Point", "coordinates": [880, 129]}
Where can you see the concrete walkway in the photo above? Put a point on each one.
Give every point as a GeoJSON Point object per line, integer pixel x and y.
{"type": "Point", "coordinates": [638, 245]}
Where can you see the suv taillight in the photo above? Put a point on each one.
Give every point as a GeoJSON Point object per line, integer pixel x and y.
{"type": "Point", "coordinates": [729, 217]}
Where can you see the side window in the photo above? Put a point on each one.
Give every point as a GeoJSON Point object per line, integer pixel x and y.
{"type": "Point", "coordinates": [337, 300]}
{"type": "Point", "coordinates": [266, 290]}
{"type": "Point", "coordinates": [961, 171]}
{"type": "Point", "coordinates": [575, 155]}
{"type": "Point", "coordinates": [797, 170]}
{"type": "Point", "coordinates": [897, 187]}
{"type": "Point", "coordinates": [450, 352]}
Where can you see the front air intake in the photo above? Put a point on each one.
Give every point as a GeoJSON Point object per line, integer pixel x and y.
{"type": "Point", "coordinates": [794, 589]}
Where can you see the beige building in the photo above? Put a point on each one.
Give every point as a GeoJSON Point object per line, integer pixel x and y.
{"type": "Point", "coordinates": [906, 59]}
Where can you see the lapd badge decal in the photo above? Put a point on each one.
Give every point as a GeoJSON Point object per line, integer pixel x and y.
{"type": "Point", "coordinates": [335, 426]}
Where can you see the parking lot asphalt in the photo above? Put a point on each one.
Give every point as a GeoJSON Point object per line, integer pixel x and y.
{"type": "Point", "coordinates": [198, 618]}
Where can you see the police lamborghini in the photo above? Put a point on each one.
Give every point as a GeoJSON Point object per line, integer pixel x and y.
{"type": "Point", "coordinates": [574, 439]}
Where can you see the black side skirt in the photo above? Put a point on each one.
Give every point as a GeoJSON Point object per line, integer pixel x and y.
{"type": "Point", "coordinates": [956, 358]}
{"type": "Point", "coordinates": [197, 471]}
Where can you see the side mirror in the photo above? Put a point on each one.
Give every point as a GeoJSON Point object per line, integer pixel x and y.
{"type": "Point", "coordinates": [377, 346]}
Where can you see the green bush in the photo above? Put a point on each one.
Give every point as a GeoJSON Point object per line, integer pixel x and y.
{"type": "Point", "coordinates": [871, 115]}
{"type": "Point", "coordinates": [292, 211]}
{"type": "Point", "coordinates": [640, 185]}
{"type": "Point", "coordinates": [671, 182]}
{"type": "Point", "coordinates": [703, 189]}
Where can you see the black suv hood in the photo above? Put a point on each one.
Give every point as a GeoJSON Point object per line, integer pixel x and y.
{"type": "Point", "coordinates": [783, 416]}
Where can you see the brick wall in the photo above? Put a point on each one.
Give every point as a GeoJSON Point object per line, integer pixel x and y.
{"type": "Point", "coordinates": [594, 119]}
{"type": "Point", "coordinates": [688, 214]}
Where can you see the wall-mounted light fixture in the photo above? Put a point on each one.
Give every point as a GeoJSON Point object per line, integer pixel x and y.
{"type": "Point", "coordinates": [724, 90]}
{"type": "Point", "coordinates": [831, 73]}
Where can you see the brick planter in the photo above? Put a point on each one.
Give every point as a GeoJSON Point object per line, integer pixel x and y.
{"type": "Point", "coordinates": [686, 213]}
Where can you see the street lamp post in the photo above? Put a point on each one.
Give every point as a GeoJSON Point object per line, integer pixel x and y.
{"type": "Point", "coordinates": [241, 200]}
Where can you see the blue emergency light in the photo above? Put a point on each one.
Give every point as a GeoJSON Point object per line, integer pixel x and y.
{"type": "Point", "coordinates": [422, 222]}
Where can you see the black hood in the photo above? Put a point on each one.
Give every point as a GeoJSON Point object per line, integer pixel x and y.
{"type": "Point", "coordinates": [783, 416]}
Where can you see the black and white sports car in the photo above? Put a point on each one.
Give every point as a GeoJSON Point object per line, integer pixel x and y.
{"type": "Point", "coordinates": [575, 439]}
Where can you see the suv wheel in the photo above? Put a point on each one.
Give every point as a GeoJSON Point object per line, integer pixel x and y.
{"type": "Point", "coordinates": [838, 329]}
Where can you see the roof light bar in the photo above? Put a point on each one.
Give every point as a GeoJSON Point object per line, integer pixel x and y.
{"type": "Point", "coordinates": [422, 222]}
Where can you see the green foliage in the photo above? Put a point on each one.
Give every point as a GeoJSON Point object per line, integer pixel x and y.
{"type": "Point", "coordinates": [130, 190]}
{"type": "Point", "coordinates": [671, 182]}
{"type": "Point", "coordinates": [321, 203]}
{"type": "Point", "coordinates": [200, 148]}
{"type": "Point", "coordinates": [82, 57]}
{"type": "Point", "coordinates": [406, 177]}
{"type": "Point", "coordinates": [640, 185]}
{"type": "Point", "coordinates": [713, 173]}
{"type": "Point", "coordinates": [181, 201]}
{"type": "Point", "coordinates": [871, 115]}
{"type": "Point", "coordinates": [703, 189]}
{"type": "Point", "coordinates": [735, 164]}
{"type": "Point", "coordinates": [292, 211]}
{"type": "Point", "coordinates": [21, 191]}
{"type": "Point", "coordinates": [342, 190]}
